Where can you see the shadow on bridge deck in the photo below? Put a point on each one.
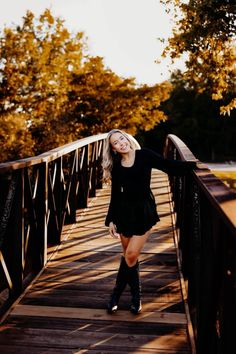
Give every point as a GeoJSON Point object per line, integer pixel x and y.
{"type": "Point", "coordinates": [63, 310]}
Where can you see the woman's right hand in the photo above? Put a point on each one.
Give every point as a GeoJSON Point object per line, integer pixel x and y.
{"type": "Point", "coordinates": [112, 230]}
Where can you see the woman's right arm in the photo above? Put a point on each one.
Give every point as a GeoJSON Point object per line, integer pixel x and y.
{"type": "Point", "coordinates": [109, 217]}
{"type": "Point", "coordinates": [111, 210]}
{"type": "Point", "coordinates": [112, 230]}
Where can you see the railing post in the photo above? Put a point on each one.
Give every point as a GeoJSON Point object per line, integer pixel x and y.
{"type": "Point", "coordinates": [70, 202]}
{"type": "Point", "coordinates": [55, 185]}
{"type": "Point", "coordinates": [99, 169]}
{"type": "Point", "coordinates": [32, 253]}
{"type": "Point", "coordinates": [195, 254]}
{"type": "Point", "coordinates": [227, 313]}
{"type": "Point", "coordinates": [93, 171]}
{"type": "Point", "coordinates": [185, 223]}
{"type": "Point", "coordinates": [83, 179]}
{"type": "Point", "coordinates": [208, 282]}
{"type": "Point", "coordinates": [15, 256]}
{"type": "Point", "coordinates": [43, 212]}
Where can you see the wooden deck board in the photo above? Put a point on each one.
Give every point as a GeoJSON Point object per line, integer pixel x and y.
{"type": "Point", "coordinates": [63, 311]}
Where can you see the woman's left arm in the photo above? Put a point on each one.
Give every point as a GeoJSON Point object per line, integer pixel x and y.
{"type": "Point", "coordinates": [172, 167]}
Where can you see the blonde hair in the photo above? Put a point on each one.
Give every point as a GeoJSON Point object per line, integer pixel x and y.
{"type": "Point", "coordinates": [109, 155]}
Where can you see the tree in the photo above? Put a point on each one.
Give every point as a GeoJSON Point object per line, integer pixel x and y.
{"type": "Point", "coordinates": [15, 138]}
{"type": "Point", "coordinates": [37, 59]}
{"type": "Point", "coordinates": [53, 92]}
{"type": "Point", "coordinates": [205, 29]}
{"type": "Point", "coordinates": [101, 100]}
{"type": "Point", "coordinates": [195, 118]}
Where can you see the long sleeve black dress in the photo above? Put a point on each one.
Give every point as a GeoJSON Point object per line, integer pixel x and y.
{"type": "Point", "coordinates": [132, 206]}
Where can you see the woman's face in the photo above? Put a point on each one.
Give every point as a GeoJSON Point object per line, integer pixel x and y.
{"type": "Point", "coordinates": [120, 143]}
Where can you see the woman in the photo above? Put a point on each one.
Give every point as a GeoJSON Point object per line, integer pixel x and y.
{"type": "Point", "coordinates": [132, 210]}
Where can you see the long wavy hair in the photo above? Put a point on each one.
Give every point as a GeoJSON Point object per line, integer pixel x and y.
{"type": "Point", "coordinates": [109, 156]}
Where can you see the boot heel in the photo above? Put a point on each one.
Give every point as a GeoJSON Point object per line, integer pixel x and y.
{"type": "Point", "coordinates": [112, 305]}
{"type": "Point", "coordinates": [136, 307]}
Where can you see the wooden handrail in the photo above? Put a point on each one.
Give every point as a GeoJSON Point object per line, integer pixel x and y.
{"type": "Point", "coordinates": [215, 190]}
{"type": "Point", "coordinates": [51, 154]}
{"type": "Point", "coordinates": [184, 152]}
{"type": "Point", "coordinates": [205, 211]}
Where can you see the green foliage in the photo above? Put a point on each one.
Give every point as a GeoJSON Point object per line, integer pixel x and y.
{"type": "Point", "coordinates": [205, 29]}
{"type": "Point", "coordinates": [15, 138]}
{"type": "Point", "coordinates": [195, 119]}
{"type": "Point", "coordinates": [35, 72]}
{"type": "Point", "coordinates": [52, 92]}
{"type": "Point", "coordinates": [101, 99]}
{"type": "Point", "coordinates": [228, 177]}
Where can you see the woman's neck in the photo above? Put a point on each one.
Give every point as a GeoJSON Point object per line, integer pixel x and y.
{"type": "Point", "coordinates": [128, 158]}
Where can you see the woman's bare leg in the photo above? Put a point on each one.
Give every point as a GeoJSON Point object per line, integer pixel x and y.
{"type": "Point", "coordinates": [134, 248]}
{"type": "Point", "coordinates": [124, 242]}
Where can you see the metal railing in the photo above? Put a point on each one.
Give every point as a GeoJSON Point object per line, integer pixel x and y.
{"type": "Point", "coordinates": [206, 227]}
{"type": "Point", "coordinates": [38, 196]}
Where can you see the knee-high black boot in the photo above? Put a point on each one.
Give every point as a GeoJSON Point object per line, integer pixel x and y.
{"type": "Point", "coordinates": [121, 282]}
{"type": "Point", "coordinates": [135, 288]}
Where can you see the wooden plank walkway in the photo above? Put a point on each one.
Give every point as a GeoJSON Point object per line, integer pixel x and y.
{"type": "Point", "coordinates": [64, 309]}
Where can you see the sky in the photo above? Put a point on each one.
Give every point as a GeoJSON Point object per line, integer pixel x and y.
{"type": "Point", "coordinates": [124, 32]}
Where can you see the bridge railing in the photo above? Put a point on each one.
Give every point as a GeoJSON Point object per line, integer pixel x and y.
{"type": "Point", "coordinates": [37, 197]}
{"type": "Point", "coordinates": [205, 210]}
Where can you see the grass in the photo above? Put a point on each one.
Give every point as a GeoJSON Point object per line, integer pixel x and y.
{"type": "Point", "coordinates": [228, 177]}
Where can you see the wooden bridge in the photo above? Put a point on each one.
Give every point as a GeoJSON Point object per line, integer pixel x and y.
{"type": "Point", "coordinates": [58, 263]}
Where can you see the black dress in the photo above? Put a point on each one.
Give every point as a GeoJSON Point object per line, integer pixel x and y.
{"type": "Point", "coordinates": [132, 206]}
